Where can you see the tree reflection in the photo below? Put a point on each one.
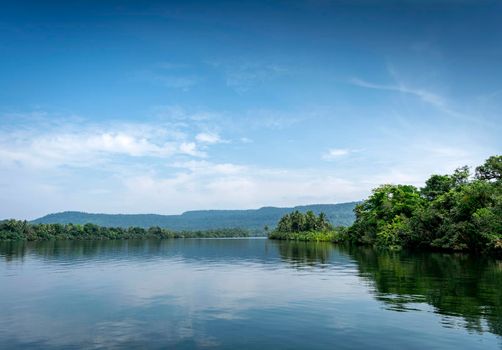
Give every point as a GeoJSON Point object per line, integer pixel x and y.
{"type": "Point", "coordinates": [302, 254]}
{"type": "Point", "coordinates": [455, 285]}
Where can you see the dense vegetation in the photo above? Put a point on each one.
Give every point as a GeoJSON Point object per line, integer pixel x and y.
{"type": "Point", "coordinates": [306, 227]}
{"type": "Point", "coordinates": [13, 230]}
{"type": "Point", "coordinates": [253, 220]}
{"type": "Point", "coordinates": [454, 212]}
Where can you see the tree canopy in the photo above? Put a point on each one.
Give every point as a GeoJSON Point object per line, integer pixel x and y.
{"type": "Point", "coordinates": [300, 222]}
{"type": "Point", "coordinates": [452, 211]}
{"type": "Point", "coordinates": [456, 211]}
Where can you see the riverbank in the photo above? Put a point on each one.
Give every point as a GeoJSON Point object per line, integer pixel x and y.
{"type": "Point", "coordinates": [310, 236]}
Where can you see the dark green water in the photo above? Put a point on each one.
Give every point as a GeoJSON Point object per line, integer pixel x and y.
{"type": "Point", "coordinates": [244, 294]}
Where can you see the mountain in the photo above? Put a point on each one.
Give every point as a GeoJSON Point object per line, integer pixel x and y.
{"type": "Point", "coordinates": [252, 219]}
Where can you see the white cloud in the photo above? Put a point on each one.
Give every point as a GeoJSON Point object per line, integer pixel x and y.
{"type": "Point", "coordinates": [88, 144]}
{"type": "Point", "coordinates": [205, 167]}
{"type": "Point", "coordinates": [190, 148]}
{"type": "Point", "coordinates": [335, 153]}
{"type": "Point", "coordinates": [208, 137]}
{"type": "Point", "coordinates": [224, 186]}
{"type": "Point", "coordinates": [163, 167]}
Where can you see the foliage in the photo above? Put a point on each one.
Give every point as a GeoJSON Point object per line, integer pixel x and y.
{"type": "Point", "coordinates": [334, 235]}
{"type": "Point", "coordinates": [450, 212]}
{"type": "Point", "coordinates": [299, 222]}
{"type": "Point", "coordinates": [386, 205]}
{"type": "Point", "coordinates": [297, 226]}
{"type": "Point", "coordinates": [491, 170]}
{"type": "Point", "coordinates": [392, 234]}
{"type": "Point", "coordinates": [13, 230]}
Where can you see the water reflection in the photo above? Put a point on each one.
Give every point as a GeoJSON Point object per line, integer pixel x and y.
{"type": "Point", "coordinates": [223, 250]}
{"type": "Point", "coordinates": [454, 284]}
{"type": "Point", "coordinates": [243, 293]}
{"type": "Point", "coordinates": [302, 253]}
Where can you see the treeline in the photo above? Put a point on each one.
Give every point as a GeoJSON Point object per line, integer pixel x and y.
{"type": "Point", "coordinates": [305, 227]}
{"type": "Point", "coordinates": [454, 212]}
{"type": "Point", "coordinates": [252, 219]}
{"type": "Point", "coordinates": [15, 230]}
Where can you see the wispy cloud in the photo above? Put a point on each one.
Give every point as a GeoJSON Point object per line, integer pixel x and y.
{"type": "Point", "coordinates": [209, 138]}
{"type": "Point", "coordinates": [206, 167]}
{"type": "Point", "coordinates": [176, 81]}
{"type": "Point", "coordinates": [243, 75]}
{"type": "Point", "coordinates": [170, 75]}
{"type": "Point", "coordinates": [335, 153]}
{"type": "Point", "coordinates": [424, 95]}
{"type": "Point", "coordinates": [274, 119]}
{"type": "Point", "coordinates": [191, 149]}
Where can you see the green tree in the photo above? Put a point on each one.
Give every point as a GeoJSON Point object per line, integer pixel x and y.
{"type": "Point", "coordinates": [450, 212]}
{"type": "Point", "coordinates": [436, 185]}
{"type": "Point", "coordinates": [491, 169]}
{"type": "Point", "coordinates": [310, 222]}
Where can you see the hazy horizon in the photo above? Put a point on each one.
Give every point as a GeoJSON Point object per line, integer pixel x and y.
{"type": "Point", "coordinates": [167, 107]}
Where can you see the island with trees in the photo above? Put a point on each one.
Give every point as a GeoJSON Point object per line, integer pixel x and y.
{"type": "Point", "coordinates": [307, 226]}
{"type": "Point", "coordinates": [456, 212]}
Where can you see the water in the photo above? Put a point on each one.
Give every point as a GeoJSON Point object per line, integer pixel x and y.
{"type": "Point", "coordinates": [244, 294]}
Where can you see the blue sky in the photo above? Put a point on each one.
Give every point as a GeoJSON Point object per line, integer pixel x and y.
{"type": "Point", "coordinates": [162, 107]}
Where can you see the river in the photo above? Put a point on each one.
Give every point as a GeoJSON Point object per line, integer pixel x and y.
{"type": "Point", "coordinates": [244, 294]}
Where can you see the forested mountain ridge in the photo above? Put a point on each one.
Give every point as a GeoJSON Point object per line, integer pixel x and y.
{"type": "Point", "coordinates": [251, 219]}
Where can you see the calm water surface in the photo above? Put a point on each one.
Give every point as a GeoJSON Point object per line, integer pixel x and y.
{"type": "Point", "coordinates": [244, 294]}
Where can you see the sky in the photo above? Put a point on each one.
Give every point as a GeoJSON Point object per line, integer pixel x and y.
{"type": "Point", "coordinates": [168, 106]}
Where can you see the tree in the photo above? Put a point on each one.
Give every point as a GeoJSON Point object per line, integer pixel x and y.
{"type": "Point", "coordinates": [436, 185]}
{"type": "Point", "coordinates": [461, 176]}
{"type": "Point", "coordinates": [299, 222]}
{"type": "Point", "coordinates": [310, 221]}
{"type": "Point", "coordinates": [491, 169]}
{"type": "Point", "coordinates": [323, 222]}
{"type": "Point", "coordinates": [450, 212]}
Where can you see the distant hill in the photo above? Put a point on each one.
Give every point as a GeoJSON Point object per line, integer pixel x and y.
{"type": "Point", "coordinates": [252, 219]}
